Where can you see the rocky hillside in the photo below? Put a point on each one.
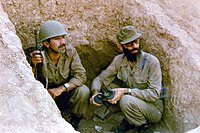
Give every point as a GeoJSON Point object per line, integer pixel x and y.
{"type": "Point", "coordinates": [170, 31]}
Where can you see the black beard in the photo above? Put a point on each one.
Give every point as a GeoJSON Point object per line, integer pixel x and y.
{"type": "Point", "coordinates": [132, 57]}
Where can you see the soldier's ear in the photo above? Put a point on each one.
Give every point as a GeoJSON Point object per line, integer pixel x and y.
{"type": "Point", "coordinates": [46, 44]}
{"type": "Point", "coordinates": [119, 46]}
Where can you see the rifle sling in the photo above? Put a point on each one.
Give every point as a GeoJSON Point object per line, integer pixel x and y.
{"type": "Point", "coordinates": [45, 69]}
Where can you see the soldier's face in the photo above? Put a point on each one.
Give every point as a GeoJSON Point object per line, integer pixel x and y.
{"type": "Point", "coordinates": [133, 46]}
{"type": "Point", "coordinates": [131, 50]}
{"type": "Point", "coordinates": [58, 44]}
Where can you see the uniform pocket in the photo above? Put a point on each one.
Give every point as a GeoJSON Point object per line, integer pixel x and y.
{"type": "Point", "coordinates": [51, 79]}
{"type": "Point", "coordinates": [65, 74]}
{"type": "Point", "coordinates": [123, 74]}
{"type": "Point", "coordinates": [141, 77]}
{"type": "Point", "coordinates": [141, 82]}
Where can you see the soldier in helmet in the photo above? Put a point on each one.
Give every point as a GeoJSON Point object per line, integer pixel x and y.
{"type": "Point", "coordinates": [65, 76]}
{"type": "Point", "coordinates": [137, 88]}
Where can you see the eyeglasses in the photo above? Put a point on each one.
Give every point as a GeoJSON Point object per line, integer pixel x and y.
{"type": "Point", "coordinates": [130, 44]}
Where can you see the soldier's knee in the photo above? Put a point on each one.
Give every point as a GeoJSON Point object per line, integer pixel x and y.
{"type": "Point", "coordinates": [83, 91]}
{"type": "Point", "coordinates": [127, 102]}
{"type": "Point", "coordinates": [124, 102]}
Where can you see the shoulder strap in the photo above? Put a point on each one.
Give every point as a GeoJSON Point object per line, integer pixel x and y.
{"type": "Point", "coordinates": [163, 91]}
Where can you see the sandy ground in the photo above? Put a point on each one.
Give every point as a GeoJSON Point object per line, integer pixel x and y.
{"type": "Point", "coordinates": [94, 123]}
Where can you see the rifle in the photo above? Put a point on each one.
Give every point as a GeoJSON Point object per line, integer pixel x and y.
{"type": "Point", "coordinates": [39, 47]}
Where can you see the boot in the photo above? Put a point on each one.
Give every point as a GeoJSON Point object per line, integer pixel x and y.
{"type": "Point", "coordinates": [123, 127]}
{"type": "Point", "coordinates": [75, 120]}
{"type": "Point", "coordinates": [145, 128]}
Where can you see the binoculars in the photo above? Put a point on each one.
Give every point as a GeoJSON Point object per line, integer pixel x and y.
{"type": "Point", "coordinates": [104, 97]}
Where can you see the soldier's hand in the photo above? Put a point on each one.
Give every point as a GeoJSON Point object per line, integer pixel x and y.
{"type": "Point", "coordinates": [54, 92]}
{"type": "Point", "coordinates": [36, 57]}
{"type": "Point", "coordinates": [119, 92]}
{"type": "Point", "coordinates": [92, 101]}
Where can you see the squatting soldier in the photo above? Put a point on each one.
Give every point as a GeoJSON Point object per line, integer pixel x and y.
{"type": "Point", "coordinates": [139, 73]}
{"type": "Point", "coordinates": [62, 71]}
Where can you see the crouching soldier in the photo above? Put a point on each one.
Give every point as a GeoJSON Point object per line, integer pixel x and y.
{"type": "Point", "coordinates": [62, 71]}
{"type": "Point", "coordinates": [139, 73]}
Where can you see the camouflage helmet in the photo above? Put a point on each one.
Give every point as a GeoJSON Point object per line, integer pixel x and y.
{"type": "Point", "coordinates": [51, 28]}
{"type": "Point", "coordinates": [127, 34]}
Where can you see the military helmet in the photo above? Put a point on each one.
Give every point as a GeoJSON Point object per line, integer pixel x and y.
{"type": "Point", "coordinates": [127, 34]}
{"type": "Point", "coordinates": [51, 28]}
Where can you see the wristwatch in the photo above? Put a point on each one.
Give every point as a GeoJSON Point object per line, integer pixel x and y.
{"type": "Point", "coordinates": [129, 91]}
{"type": "Point", "coordinates": [67, 86]}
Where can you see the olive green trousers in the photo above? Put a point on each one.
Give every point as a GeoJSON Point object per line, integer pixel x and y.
{"type": "Point", "coordinates": [139, 112]}
{"type": "Point", "coordinates": [75, 101]}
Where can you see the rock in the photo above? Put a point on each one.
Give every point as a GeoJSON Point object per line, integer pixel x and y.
{"type": "Point", "coordinates": [196, 130]}
{"type": "Point", "coordinates": [170, 31]}
{"type": "Point", "coordinates": [26, 107]}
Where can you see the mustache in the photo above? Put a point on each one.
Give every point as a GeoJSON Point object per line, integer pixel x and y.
{"type": "Point", "coordinates": [61, 46]}
{"type": "Point", "coordinates": [134, 49]}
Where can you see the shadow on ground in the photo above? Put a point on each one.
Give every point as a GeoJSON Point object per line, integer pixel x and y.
{"type": "Point", "coordinates": [95, 122]}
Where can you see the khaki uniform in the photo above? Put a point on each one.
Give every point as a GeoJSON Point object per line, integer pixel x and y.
{"type": "Point", "coordinates": [144, 79]}
{"type": "Point", "coordinates": [68, 69]}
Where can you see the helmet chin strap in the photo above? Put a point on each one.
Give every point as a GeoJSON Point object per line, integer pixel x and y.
{"type": "Point", "coordinates": [56, 51]}
{"type": "Point", "coordinates": [48, 45]}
